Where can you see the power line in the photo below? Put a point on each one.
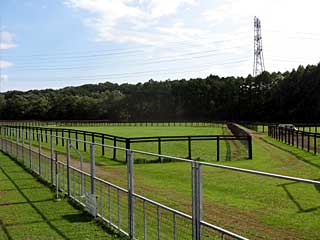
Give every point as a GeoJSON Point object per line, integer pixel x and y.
{"type": "Point", "coordinates": [122, 50]}
{"type": "Point", "coordinates": [153, 60]}
{"type": "Point", "coordinates": [154, 71]}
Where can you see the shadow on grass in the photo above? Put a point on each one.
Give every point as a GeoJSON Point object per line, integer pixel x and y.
{"type": "Point", "coordinates": [295, 201]}
{"type": "Point", "coordinates": [5, 230]}
{"type": "Point", "coordinates": [31, 203]}
{"type": "Point", "coordinates": [18, 203]}
{"type": "Point", "coordinates": [77, 217]}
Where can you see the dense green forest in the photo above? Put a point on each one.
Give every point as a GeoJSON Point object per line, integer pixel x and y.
{"type": "Point", "coordinates": [289, 96]}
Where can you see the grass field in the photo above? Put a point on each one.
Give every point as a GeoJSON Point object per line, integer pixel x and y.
{"type": "Point", "coordinates": [201, 150]}
{"type": "Point", "coordinates": [28, 210]}
{"type": "Point", "coordinates": [257, 207]}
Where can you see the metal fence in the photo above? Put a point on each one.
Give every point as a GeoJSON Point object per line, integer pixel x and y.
{"type": "Point", "coordinates": [132, 214]}
{"type": "Point", "coordinates": [219, 146]}
{"type": "Point", "coordinates": [307, 141]}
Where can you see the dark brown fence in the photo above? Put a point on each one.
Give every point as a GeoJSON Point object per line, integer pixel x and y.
{"type": "Point", "coordinates": [118, 124]}
{"type": "Point", "coordinates": [43, 134]}
{"type": "Point", "coordinates": [308, 141]}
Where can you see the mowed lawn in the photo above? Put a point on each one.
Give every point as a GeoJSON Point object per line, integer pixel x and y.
{"type": "Point", "coordinates": [28, 210]}
{"type": "Point", "coordinates": [201, 150]}
{"type": "Point", "coordinates": [256, 207]}
{"type": "Point", "coordinates": [137, 131]}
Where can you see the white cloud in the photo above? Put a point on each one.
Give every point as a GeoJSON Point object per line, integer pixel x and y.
{"type": "Point", "coordinates": [6, 40]}
{"type": "Point", "coordinates": [160, 8]}
{"type": "Point", "coordinates": [285, 24]}
{"type": "Point", "coordinates": [5, 64]}
{"type": "Point", "coordinates": [128, 20]}
{"type": "Point", "coordinates": [225, 25]}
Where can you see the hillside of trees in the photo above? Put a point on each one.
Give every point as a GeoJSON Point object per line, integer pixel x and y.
{"type": "Point", "coordinates": [289, 96]}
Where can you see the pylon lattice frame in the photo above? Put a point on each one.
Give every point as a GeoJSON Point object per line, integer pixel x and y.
{"type": "Point", "coordinates": [258, 64]}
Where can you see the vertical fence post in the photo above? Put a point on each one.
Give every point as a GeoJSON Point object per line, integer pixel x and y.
{"type": "Point", "coordinates": [77, 140]}
{"type": "Point", "coordinates": [159, 149]}
{"type": "Point", "coordinates": [189, 148]}
{"type": "Point", "coordinates": [102, 147]}
{"type": "Point", "coordinates": [92, 169]}
{"type": "Point", "coordinates": [30, 149]}
{"type": "Point", "coordinates": [57, 173]}
{"type": "Point", "coordinates": [127, 146]}
{"type": "Point", "coordinates": [250, 147]}
{"type": "Point", "coordinates": [62, 135]}
{"type": "Point", "coordinates": [17, 142]}
{"type": "Point", "coordinates": [196, 200]}
{"type": "Point", "coordinates": [114, 149]}
{"type": "Point", "coordinates": [68, 167]}
{"type": "Point", "coordinates": [315, 143]}
{"type": "Point", "coordinates": [130, 167]}
{"type": "Point", "coordinates": [22, 149]}
{"type": "Point", "coordinates": [39, 152]}
{"type": "Point", "coordinates": [218, 148]}
{"type": "Point", "coordinates": [11, 140]}
{"type": "Point", "coordinates": [51, 159]}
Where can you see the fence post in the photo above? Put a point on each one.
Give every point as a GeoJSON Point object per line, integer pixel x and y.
{"type": "Point", "coordinates": [30, 149]}
{"type": "Point", "coordinates": [130, 167]}
{"type": "Point", "coordinates": [189, 148]}
{"type": "Point", "coordinates": [62, 137]}
{"type": "Point", "coordinates": [39, 153]}
{"type": "Point", "coordinates": [127, 147]}
{"type": "Point", "coordinates": [68, 167]}
{"type": "Point", "coordinates": [102, 147]}
{"type": "Point", "coordinates": [196, 200]}
{"type": "Point", "coordinates": [77, 140]}
{"type": "Point", "coordinates": [92, 169]}
{"type": "Point", "coordinates": [17, 142]}
{"type": "Point", "coordinates": [218, 148]}
{"type": "Point", "coordinates": [114, 149]}
{"type": "Point", "coordinates": [51, 158]}
{"type": "Point", "coordinates": [57, 173]}
{"type": "Point", "coordinates": [159, 149]}
{"type": "Point", "coordinates": [315, 143]}
{"type": "Point", "coordinates": [22, 149]}
{"type": "Point", "coordinates": [250, 147]}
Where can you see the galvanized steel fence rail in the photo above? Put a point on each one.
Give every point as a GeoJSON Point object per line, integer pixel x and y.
{"type": "Point", "coordinates": [132, 214]}
{"type": "Point", "coordinates": [115, 205]}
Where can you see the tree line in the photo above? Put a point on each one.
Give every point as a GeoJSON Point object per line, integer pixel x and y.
{"type": "Point", "coordinates": [269, 97]}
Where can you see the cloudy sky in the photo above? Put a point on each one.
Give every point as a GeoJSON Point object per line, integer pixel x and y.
{"type": "Point", "coordinates": [56, 43]}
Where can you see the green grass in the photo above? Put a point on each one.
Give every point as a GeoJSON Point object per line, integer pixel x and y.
{"type": "Point", "coordinates": [257, 207]}
{"type": "Point", "coordinates": [153, 131]}
{"type": "Point", "coordinates": [201, 150]}
{"type": "Point", "coordinates": [28, 210]}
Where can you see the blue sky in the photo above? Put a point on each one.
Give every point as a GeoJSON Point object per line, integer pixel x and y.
{"type": "Point", "coordinates": [57, 43]}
